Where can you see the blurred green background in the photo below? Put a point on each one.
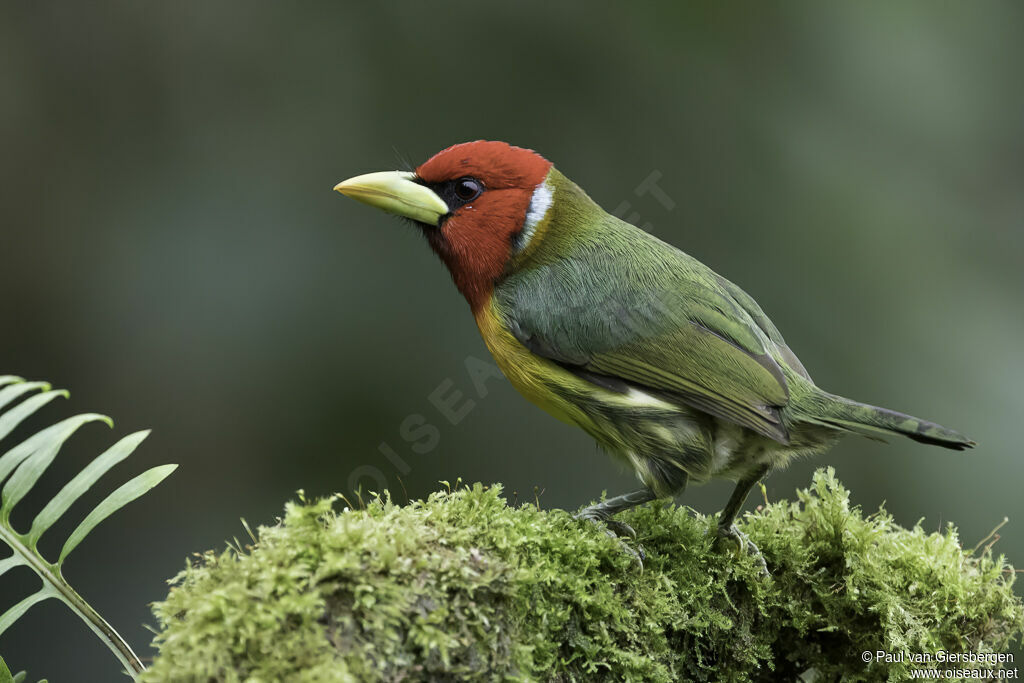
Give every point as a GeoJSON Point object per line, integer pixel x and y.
{"type": "Point", "coordinates": [173, 254]}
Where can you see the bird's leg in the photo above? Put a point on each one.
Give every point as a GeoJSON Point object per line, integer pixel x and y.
{"type": "Point", "coordinates": [727, 518]}
{"type": "Point", "coordinates": [603, 511]}
{"type": "Point", "coordinates": [673, 480]}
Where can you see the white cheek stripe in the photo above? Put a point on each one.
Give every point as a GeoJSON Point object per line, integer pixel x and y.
{"type": "Point", "coordinates": [540, 202]}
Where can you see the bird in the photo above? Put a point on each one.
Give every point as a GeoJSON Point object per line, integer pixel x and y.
{"type": "Point", "coordinates": [670, 367]}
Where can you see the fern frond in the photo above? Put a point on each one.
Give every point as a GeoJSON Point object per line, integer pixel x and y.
{"type": "Point", "coordinates": [7, 677]}
{"type": "Point", "coordinates": [20, 469]}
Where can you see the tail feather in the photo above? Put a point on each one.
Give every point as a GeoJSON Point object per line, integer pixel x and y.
{"type": "Point", "coordinates": [871, 421]}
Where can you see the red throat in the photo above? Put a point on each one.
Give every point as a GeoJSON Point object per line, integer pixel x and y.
{"type": "Point", "coordinates": [475, 242]}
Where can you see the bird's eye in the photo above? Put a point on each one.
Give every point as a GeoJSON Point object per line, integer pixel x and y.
{"type": "Point", "coordinates": [468, 189]}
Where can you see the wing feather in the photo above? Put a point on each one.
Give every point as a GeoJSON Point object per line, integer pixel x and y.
{"type": "Point", "coordinates": [652, 317]}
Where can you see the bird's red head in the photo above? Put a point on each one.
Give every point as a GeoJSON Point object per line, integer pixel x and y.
{"type": "Point", "coordinates": [478, 203]}
{"type": "Point", "coordinates": [488, 187]}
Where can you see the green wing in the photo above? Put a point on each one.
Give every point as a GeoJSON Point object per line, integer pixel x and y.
{"type": "Point", "coordinates": [623, 308]}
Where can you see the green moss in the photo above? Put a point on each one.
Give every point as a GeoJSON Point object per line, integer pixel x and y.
{"type": "Point", "coordinates": [461, 587]}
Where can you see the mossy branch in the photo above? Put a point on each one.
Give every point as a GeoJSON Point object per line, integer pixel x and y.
{"type": "Point", "coordinates": [461, 587]}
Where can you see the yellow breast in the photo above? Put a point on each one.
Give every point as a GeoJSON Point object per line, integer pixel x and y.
{"type": "Point", "coordinates": [534, 377]}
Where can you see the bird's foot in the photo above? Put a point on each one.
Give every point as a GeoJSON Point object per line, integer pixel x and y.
{"type": "Point", "coordinates": [613, 527]}
{"type": "Point", "coordinates": [744, 544]}
{"type": "Point", "coordinates": [617, 530]}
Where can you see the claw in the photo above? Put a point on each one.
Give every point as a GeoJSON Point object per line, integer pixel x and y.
{"type": "Point", "coordinates": [620, 529]}
{"type": "Point", "coordinates": [617, 530]}
{"type": "Point", "coordinates": [743, 544]}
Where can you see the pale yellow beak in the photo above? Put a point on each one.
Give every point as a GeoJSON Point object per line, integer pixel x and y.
{"type": "Point", "coordinates": [395, 192]}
